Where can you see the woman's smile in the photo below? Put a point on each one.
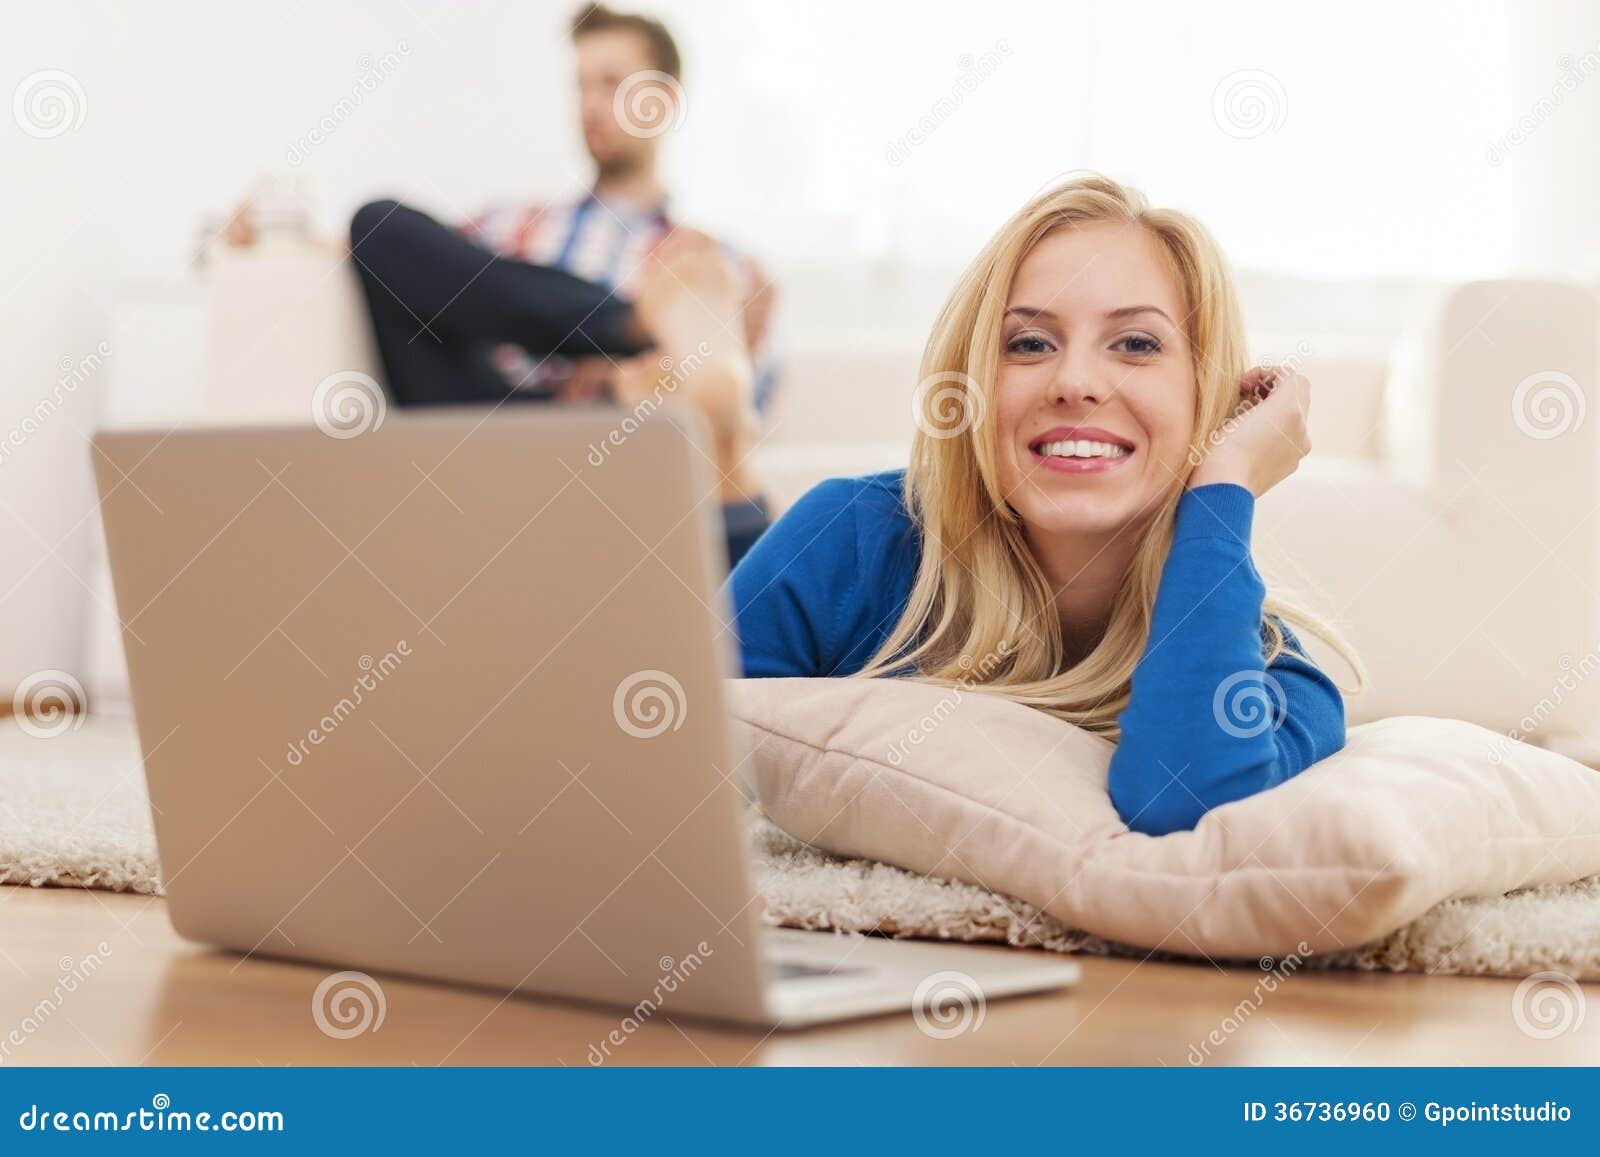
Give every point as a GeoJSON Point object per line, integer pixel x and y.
{"type": "Point", "coordinates": [1080, 450]}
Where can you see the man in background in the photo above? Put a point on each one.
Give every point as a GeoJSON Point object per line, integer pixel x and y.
{"type": "Point", "coordinates": [604, 297]}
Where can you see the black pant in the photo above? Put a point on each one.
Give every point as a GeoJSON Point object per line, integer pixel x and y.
{"type": "Point", "coordinates": [440, 303]}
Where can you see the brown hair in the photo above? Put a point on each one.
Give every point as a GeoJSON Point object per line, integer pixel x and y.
{"type": "Point", "coordinates": [663, 49]}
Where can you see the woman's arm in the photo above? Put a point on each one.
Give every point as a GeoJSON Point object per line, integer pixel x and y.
{"type": "Point", "coordinates": [1207, 721]}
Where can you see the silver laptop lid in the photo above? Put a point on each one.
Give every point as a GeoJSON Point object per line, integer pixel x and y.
{"type": "Point", "coordinates": [442, 698]}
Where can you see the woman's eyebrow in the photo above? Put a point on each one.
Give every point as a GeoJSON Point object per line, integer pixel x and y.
{"type": "Point", "coordinates": [1032, 312]}
{"type": "Point", "coordinates": [1130, 310]}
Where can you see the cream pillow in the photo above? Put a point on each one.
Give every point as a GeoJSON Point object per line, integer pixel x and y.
{"type": "Point", "coordinates": [956, 783]}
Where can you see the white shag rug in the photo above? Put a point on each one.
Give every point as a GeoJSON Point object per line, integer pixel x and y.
{"type": "Point", "coordinates": [79, 823]}
{"type": "Point", "coordinates": [1551, 928]}
{"type": "Point", "coordinates": [86, 823]}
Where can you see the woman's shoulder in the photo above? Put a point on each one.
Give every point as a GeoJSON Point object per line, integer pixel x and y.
{"type": "Point", "coordinates": [842, 518]}
{"type": "Point", "coordinates": [867, 511]}
{"type": "Point", "coordinates": [820, 590]}
{"type": "Point", "coordinates": [881, 495]}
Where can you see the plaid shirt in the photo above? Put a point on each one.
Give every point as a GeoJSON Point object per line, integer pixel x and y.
{"type": "Point", "coordinates": [599, 241]}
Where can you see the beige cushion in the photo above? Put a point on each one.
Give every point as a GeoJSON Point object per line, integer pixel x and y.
{"type": "Point", "coordinates": [959, 784]}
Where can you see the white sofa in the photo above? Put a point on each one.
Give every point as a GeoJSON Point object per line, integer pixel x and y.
{"type": "Point", "coordinates": [1460, 554]}
{"type": "Point", "coordinates": [1463, 556]}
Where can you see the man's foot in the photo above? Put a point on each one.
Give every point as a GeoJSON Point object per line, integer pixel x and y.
{"type": "Point", "coordinates": [689, 300]}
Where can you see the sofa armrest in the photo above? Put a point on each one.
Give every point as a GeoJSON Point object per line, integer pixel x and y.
{"type": "Point", "coordinates": [280, 323]}
{"type": "Point", "coordinates": [1466, 566]}
{"type": "Point", "coordinates": [1505, 431]}
{"type": "Point", "coordinates": [1500, 376]}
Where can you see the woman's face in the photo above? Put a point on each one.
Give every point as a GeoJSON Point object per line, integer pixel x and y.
{"type": "Point", "coordinates": [1096, 390]}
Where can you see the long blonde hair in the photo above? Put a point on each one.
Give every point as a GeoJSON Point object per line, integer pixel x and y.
{"type": "Point", "coordinates": [981, 611]}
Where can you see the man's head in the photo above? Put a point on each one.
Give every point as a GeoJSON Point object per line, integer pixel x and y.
{"type": "Point", "coordinates": [611, 48]}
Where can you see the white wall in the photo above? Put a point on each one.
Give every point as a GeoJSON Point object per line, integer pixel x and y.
{"type": "Point", "coordinates": [1548, 140]}
{"type": "Point", "coordinates": [1346, 142]}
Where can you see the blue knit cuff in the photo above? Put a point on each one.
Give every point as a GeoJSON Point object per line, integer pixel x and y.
{"type": "Point", "coordinates": [1217, 510]}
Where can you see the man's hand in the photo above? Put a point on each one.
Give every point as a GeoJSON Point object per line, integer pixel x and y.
{"type": "Point", "coordinates": [591, 380]}
{"type": "Point", "coordinates": [239, 230]}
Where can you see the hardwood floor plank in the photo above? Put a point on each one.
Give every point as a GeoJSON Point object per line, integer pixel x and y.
{"type": "Point", "coordinates": [153, 998]}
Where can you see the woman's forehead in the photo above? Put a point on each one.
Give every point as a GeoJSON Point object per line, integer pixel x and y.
{"type": "Point", "coordinates": [1096, 268]}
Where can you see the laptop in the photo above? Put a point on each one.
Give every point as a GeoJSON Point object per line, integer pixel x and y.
{"type": "Point", "coordinates": [444, 698]}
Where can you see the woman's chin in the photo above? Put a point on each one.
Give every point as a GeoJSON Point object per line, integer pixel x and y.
{"type": "Point", "coordinates": [1062, 514]}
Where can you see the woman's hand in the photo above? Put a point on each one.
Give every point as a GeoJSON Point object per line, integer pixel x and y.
{"type": "Point", "coordinates": [1263, 442]}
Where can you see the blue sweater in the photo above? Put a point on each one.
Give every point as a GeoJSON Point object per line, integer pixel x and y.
{"type": "Point", "coordinates": [1207, 720]}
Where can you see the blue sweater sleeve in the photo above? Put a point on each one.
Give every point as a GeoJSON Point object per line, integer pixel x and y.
{"type": "Point", "coordinates": [1208, 721]}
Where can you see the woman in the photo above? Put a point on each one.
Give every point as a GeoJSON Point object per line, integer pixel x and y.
{"type": "Point", "coordinates": [1073, 532]}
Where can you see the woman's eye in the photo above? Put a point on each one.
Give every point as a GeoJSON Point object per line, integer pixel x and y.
{"type": "Point", "coordinates": [1028, 344]}
{"type": "Point", "coordinates": [1139, 345]}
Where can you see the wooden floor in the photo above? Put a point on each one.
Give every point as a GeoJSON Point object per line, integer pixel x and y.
{"type": "Point", "coordinates": [155, 999]}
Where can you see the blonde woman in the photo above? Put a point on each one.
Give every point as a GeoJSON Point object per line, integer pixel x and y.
{"type": "Point", "coordinates": [1073, 532]}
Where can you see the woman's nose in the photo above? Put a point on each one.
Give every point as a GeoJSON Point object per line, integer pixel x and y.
{"type": "Point", "coordinates": [1076, 381]}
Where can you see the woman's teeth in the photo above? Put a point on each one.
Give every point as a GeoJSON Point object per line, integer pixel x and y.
{"type": "Point", "coordinates": [1082, 450]}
